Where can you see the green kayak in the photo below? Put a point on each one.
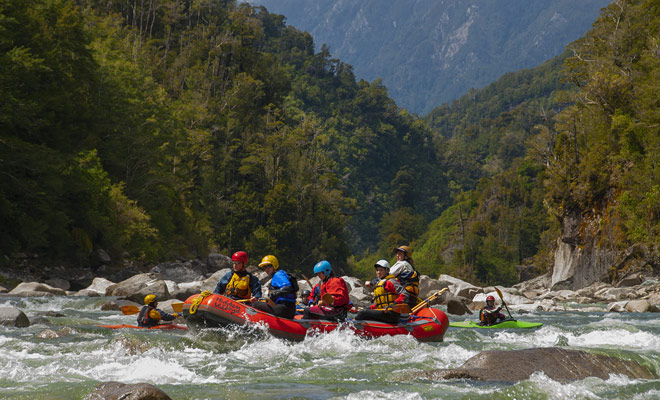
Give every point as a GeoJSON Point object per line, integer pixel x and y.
{"type": "Point", "coordinates": [507, 324]}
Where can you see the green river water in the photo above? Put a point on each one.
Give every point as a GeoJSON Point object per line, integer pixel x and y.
{"type": "Point", "coordinates": [232, 364]}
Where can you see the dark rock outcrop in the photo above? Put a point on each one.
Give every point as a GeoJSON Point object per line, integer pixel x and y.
{"type": "Point", "coordinates": [10, 316]}
{"type": "Point", "coordinates": [122, 391]}
{"type": "Point", "coordinates": [559, 364]}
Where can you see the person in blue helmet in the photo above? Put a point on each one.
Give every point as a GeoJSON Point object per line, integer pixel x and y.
{"type": "Point", "coordinates": [282, 290]}
{"type": "Point", "coordinates": [334, 303]}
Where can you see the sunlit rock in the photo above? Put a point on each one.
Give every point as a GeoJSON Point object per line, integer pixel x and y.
{"type": "Point", "coordinates": [562, 365]}
{"type": "Point", "coordinates": [32, 289]}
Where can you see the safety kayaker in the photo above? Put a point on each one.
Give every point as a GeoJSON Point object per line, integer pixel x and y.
{"type": "Point", "coordinates": [334, 303]}
{"type": "Point", "coordinates": [282, 290]}
{"type": "Point", "coordinates": [489, 315]}
{"type": "Point", "coordinates": [239, 284]}
{"type": "Point", "coordinates": [150, 315]}
{"type": "Point", "coordinates": [404, 270]}
{"type": "Point", "coordinates": [387, 293]}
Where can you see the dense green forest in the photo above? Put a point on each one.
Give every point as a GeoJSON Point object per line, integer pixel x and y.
{"type": "Point", "coordinates": [166, 129]}
{"type": "Point", "coordinates": [163, 129]}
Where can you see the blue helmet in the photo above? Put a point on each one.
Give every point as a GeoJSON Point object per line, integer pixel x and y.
{"type": "Point", "coordinates": [323, 266]}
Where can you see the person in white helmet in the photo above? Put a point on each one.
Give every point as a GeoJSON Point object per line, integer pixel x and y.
{"type": "Point", "coordinates": [388, 292]}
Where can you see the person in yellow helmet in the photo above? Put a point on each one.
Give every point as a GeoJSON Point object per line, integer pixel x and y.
{"type": "Point", "coordinates": [282, 290]}
{"type": "Point", "coordinates": [150, 315]}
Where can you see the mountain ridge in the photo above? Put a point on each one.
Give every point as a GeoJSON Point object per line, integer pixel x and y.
{"type": "Point", "coordinates": [451, 46]}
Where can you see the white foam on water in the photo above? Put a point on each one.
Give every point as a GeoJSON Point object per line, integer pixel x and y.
{"type": "Point", "coordinates": [560, 391]}
{"type": "Point", "coordinates": [376, 394]}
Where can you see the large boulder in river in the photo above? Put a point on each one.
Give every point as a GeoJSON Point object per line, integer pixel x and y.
{"type": "Point", "coordinates": [10, 316]}
{"type": "Point", "coordinates": [118, 391]}
{"type": "Point", "coordinates": [562, 365]}
{"type": "Point", "coordinates": [138, 286]}
{"type": "Point", "coordinates": [96, 289]}
{"type": "Point", "coordinates": [36, 289]}
{"type": "Point", "coordinates": [179, 272]}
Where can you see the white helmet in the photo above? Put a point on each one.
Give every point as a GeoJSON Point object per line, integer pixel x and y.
{"type": "Point", "coordinates": [382, 264]}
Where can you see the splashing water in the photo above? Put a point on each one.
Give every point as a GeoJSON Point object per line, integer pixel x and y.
{"type": "Point", "coordinates": [230, 363]}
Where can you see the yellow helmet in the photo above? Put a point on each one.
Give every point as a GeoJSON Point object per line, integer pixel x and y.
{"type": "Point", "coordinates": [269, 260]}
{"type": "Point", "coordinates": [150, 298]}
{"type": "Point", "coordinates": [404, 249]}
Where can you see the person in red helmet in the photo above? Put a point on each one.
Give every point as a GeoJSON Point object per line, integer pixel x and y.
{"type": "Point", "coordinates": [239, 284]}
{"type": "Point", "coordinates": [489, 315]}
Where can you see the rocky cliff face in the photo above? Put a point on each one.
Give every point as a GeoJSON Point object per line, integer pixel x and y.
{"type": "Point", "coordinates": [592, 248]}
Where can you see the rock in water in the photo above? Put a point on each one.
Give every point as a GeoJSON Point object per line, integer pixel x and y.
{"type": "Point", "coordinates": [562, 365]}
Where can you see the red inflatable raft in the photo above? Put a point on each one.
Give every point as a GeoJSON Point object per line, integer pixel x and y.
{"type": "Point", "coordinates": [426, 325]}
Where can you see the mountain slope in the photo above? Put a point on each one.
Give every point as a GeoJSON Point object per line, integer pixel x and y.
{"type": "Point", "coordinates": [431, 52]}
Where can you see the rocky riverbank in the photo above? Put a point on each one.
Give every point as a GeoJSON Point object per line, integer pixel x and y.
{"type": "Point", "coordinates": [176, 281]}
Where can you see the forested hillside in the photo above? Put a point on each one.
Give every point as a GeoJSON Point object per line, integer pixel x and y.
{"type": "Point", "coordinates": [162, 130]}
{"type": "Point", "coordinates": [572, 168]}
{"type": "Point", "coordinates": [432, 52]}
{"type": "Point", "coordinates": [166, 129]}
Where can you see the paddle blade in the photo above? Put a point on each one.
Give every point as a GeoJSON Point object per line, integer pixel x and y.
{"type": "Point", "coordinates": [499, 293]}
{"type": "Point", "coordinates": [328, 299]}
{"type": "Point", "coordinates": [128, 310]}
{"type": "Point", "coordinates": [177, 307]}
{"type": "Point", "coordinates": [401, 308]}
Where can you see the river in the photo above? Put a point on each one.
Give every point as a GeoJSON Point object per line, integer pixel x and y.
{"type": "Point", "coordinates": [230, 364]}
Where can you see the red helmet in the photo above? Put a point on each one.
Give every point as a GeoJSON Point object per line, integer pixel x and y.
{"type": "Point", "coordinates": [240, 256]}
{"type": "Point", "coordinates": [489, 298]}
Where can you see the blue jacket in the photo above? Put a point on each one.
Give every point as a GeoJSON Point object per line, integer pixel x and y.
{"type": "Point", "coordinates": [281, 289]}
{"type": "Point", "coordinates": [255, 286]}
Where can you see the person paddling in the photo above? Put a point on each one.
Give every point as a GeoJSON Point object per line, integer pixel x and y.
{"type": "Point", "coordinates": [282, 290]}
{"type": "Point", "coordinates": [334, 303]}
{"type": "Point", "coordinates": [239, 284]}
{"type": "Point", "coordinates": [387, 293]}
{"type": "Point", "coordinates": [150, 315]}
{"type": "Point", "coordinates": [489, 315]}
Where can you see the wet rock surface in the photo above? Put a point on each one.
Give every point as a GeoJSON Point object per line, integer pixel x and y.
{"type": "Point", "coordinates": [562, 365]}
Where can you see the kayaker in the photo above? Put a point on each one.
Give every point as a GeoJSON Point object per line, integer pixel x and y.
{"type": "Point", "coordinates": [387, 292]}
{"type": "Point", "coordinates": [150, 315]}
{"type": "Point", "coordinates": [239, 284]}
{"type": "Point", "coordinates": [282, 290]}
{"type": "Point", "coordinates": [404, 270]}
{"type": "Point", "coordinates": [334, 290]}
{"type": "Point", "coordinates": [489, 315]}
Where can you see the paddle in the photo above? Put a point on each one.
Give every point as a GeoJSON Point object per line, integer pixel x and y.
{"type": "Point", "coordinates": [502, 298]}
{"type": "Point", "coordinates": [269, 301]}
{"type": "Point", "coordinates": [428, 300]}
{"type": "Point", "coordinates": [129, 310]}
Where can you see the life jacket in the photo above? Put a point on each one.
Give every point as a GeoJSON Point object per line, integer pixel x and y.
{"type": "Point", "coordinates": [239, 286]}
{"type": "Point", "coordinates": [149, 316]}
{"type": "Point", "coordinates": [383, 298]}
{"type": "Point", "coordinates": [488, 315]}
{"type": "Point", "coordinates": [410, 281]}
